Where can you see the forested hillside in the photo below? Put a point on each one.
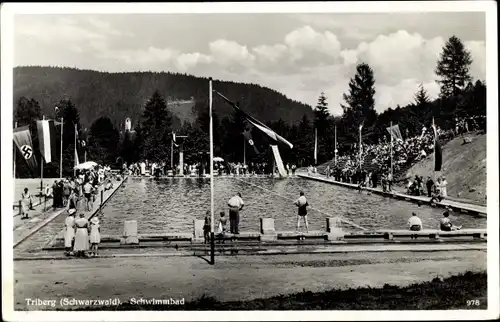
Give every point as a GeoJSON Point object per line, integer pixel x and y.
{"type": "Point", "coordinates": [121, 95]}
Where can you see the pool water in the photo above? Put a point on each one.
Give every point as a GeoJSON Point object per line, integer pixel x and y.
{"type": "Point", "coordinates": [169, 205]}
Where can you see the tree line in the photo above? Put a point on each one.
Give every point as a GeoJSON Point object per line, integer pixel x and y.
{"type": "Point", "coordinates": [151, 139]}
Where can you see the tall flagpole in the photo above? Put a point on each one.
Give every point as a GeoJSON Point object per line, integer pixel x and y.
{"type": "Point", "coordinates": [335, 145]}
{"type": "Point", "coordinates": [360, 146]}
{"type": "Point", "coordinates": [15, 126]}
{"type": "Point", "coordinates": [41, 172]}
{"type": "Point", "coordinates": [61, 155]}
{"type": "Point", "coordinates": [172, 153]}
{"type": "Point", "coordinates": [391, 151]}
{"type": "Point", "coordinates": [315, 146]}
{"type": "Point", "coordinates": [244, 151]}
{"type": "Point", "coordinates": [75, 154]}
{"type": "Point", "coordinates": [212, 219]}
{"type": "Point", "coordinates": [434, 165]}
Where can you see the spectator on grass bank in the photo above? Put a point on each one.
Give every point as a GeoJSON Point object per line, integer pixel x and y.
{"type": "Point", "coordinates": [429, 185]}
{"type": "Point", "coordinates": [235, 206]}
{"type": "Point", "coordinates": [445, 223]}
{"type": "Point", "coordinates": [444, 184]}
{"type": "Point", "coordinates": [415, 224]}
{"type": "Point", "coordinates": [302, 204]}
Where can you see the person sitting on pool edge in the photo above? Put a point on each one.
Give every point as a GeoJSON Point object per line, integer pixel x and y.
{"type": "Point", "coordinates": [221, 227]}
{"type": "Point", "coordinates": [415, 224]}
{"type": "Point", "coordinates": [446, 225]}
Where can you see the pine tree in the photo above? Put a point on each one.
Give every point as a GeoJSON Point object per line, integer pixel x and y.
{"type": "Point", "coordinates": [360, 102]}
{"type": "Point", "coordinates": [453, 68]}
{"type": "Point", "coordinates": [103, 139]}
{"type": "Point", "coordinates": [421, 97]}
{"type": "Point", "coordinates": [321, 114]}
{"type": "Point", "coordinates": [155, 129]}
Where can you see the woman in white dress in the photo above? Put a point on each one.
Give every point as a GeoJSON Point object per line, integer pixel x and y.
{"type": "Point", "coordinates": [69, 233]}
{"type": "Point", "coordinates": [25, 203]}
{"type": "Point", "coordinates": [95, 236]}
{"type": "Point", "coordinates": [81, 236]}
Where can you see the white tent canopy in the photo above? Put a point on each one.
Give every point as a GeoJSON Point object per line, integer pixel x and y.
{"type": "Point", "coordinates": [218, 159]}
{"type": "Point", "coordinates": [86, 165]}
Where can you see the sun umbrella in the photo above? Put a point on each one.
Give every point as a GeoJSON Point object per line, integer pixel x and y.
{"type": "Point", "coordinates": [218, 159]}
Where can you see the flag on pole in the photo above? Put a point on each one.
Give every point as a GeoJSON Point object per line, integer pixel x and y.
{"type": "Point", "coordinates": [258, 124]}
{"type": "Point", "coordinates": [47, 137]}
{"type": "Point", "coordinates": [77, 161]}
{"type": "Point", "coordinates": [22, 139]}
{"type": "Point", "coordinates": [395, 132]}
{"type": "Point", "coordinates": [248, 136]}
{"type": "Point", "coordinates": [438, 153]}
{"type": "Point", "coordinates": [173, 140]}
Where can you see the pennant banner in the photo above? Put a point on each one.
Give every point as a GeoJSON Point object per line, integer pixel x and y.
{"type": "Point", "coordinates": [395, 132]}
{"type": "Point", "coordinates": [437, 150]}
{"type": "Point", "coordinates": [22, 139]}
{"type": "Point", "coordinates": [47, 137]}
{"type": "Point", "coordinates": [258, 124]}
{"type": "Point", "coordinates": [248, 136]}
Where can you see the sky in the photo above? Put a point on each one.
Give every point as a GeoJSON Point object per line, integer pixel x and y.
{"type": "Point", "coordinates": [300, 55]}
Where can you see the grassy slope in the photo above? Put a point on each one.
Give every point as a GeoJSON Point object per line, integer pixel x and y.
{"type": "Point", "coordinates": [464, 167]}
{"type": "Point", "coordinates": [450, 293]}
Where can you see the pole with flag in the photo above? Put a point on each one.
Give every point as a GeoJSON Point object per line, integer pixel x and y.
{"type": "Point", "coordinates": [212, 235]}
{"type": "Point", "coordinates": [41, 170]}
{"type": "Point", "coordinates": [391, 150]}
{"type": "Point", "coordinates": [360, 145]}
{"type": "Point", "coordinates": [76, 153]}
{"type": "Point", "coordinates": [438, 153]}
{"type": "Point", "coordinates": [14, 146]}
{"type": "Point", "coordinates": [315, 146]}
{"type": "Point", "coordinates": [335, 151]}
{"type": "Point", "coordinates": [61, 154]}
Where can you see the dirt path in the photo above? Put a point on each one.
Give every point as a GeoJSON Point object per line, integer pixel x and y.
{"type": "Point", "coordinates": [232, 278]}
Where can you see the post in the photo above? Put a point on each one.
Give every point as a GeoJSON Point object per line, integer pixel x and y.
{"type": "Point", "coordinates": [15, 126]}
{"type": "Point", "coordinates": [102, 199]}
{"type": "Point", "coordinates": [85, 155]}
{"type": "Point", "coordinates": [61, 154]}
{"type": "Point", "coordinates": [212, 219]}
{"type": "Point", "coordinates": [391, 152]}
{"type": "Point", "coordinates": [360, 146]}
{"type": "Point", "coordinates": [244, 152]}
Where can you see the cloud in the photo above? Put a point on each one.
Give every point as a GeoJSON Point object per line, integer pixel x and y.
{"type": "Point", "coordinates": [311, 57]}
{"type": "Point", "coordinates": [226, 52]}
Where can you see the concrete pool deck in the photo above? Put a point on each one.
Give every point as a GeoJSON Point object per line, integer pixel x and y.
{"type": "Point", "coordinates": [232, 277]}
{"type": "Point", "coordinates": [31, 227]}
{"type": "Point", "coordinates": [455, 205]}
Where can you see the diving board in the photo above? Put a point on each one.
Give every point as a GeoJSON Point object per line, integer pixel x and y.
{"type": "Point", "coordinates": [279, 162]}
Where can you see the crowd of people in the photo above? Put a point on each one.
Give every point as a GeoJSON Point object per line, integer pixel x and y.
{"type": "Point", "coordinates": [145, 168]}
{"type": "Point", "coordinates": [375, 159]}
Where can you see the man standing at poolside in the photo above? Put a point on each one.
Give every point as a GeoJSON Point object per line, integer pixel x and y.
{"type": "Point", "coordinates": [235, 206]}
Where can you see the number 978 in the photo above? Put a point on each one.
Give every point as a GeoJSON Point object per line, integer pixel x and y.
{"type": "Point", "coordinates": [473, 303]}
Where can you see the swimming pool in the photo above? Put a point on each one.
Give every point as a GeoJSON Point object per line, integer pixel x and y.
{"type": "Point", "coordinates": [169, 205]}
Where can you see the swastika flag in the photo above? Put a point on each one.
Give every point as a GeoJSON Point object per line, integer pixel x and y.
{"type": "Point", "coordinates": [22, 139]}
